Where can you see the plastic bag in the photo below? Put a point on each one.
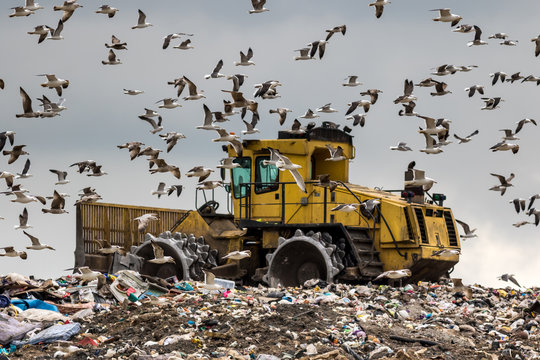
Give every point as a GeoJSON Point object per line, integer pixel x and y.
{"type": "Point", "coordinates": [25, 304]}
{"type": "Point", "coordinates": [11, 329]}
{"type": "Point", "coordinates": [53, 333]}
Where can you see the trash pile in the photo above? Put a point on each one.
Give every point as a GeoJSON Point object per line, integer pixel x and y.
{"type": "Point", "coordinates": [131, 316]}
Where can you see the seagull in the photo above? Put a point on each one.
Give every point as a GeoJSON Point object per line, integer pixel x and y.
{"type": "Point", "coordinates": [407, 93]}
{"type": "Point", "coordinates": [162, 166]}
{"type": "Point", "coordinates": [507, 277]}
{"type": "Point", "coordinates": [408, 109]}
{"type": "Point", "coordinates": [42, 31]}
{"type": "Point", "coordinates": [86, 275]}
{"type": "Point", "coordinates": [532, 78]}
{"type": "Point", "coordinates": [258, 6]}
{"type": "Point", "coordinates": [55, 33]}
{"type": "Point", "coordinates": [24, 174]}
{"type": "Point", "coordinates": [346, 208]}
{"type": "Point", "coordinates": [324, 181]}
{"type": "Point", "coordinates": [531, 200]}
{"type": "Point", "coordinates": [468, 68]}
{"type": "Point", "coordinates": [6, 135]}
{"type": "Point", "coordinates": [160, 190]}
{"type": "Point", "coordinates": [106, 248]}
{"type": "Point", "coordinates": [536, 214]}
{"type": "Point", "coordinates": [472, 89]}
{"type": "Point", "coordinates": [88, 199]}
{"type": "Point", "coordinates": [536, 40]}
{"type": "Point", "coordinates": [201, 172]}
{"type": "Point", "coordinates": [326, 109]}
{"type": "Point", "coordinates": [352, 81]}
{"type": "Point", "coordinates": [467, 138]}
{"type": "Point", "coordinates": [446, 16]}
{"type": "Point", "coordinates": [168, 103]}
{"type": "Point", "coordinates": [319, 44]}
{"type": "Point", "coordinates": [14, 153]}
{"type": "Point", "coordinates": [520, 124]}
{"type": "Point", "coordinates": [464, 29]}
{"type": "Point", "coordinates": [55, 83]}
{"type": "Point", "coordinates": [111, 59]}
{"type": "Point", "coordinates": [57, 204]}
{"type": "Point", "coordinates": [309, 115]}
{"type": "Point", "coordinates": [519, 204]}
{"type": "Point", "coordinates": [167, 39]}
{"type": "Point", "coordinates": [491, 103]}
{"type": "Point", "coordinates": [21, 11]}
{"type": "Point", "coordinates": [431, 147]}
{"type": "Point", "coordinates": [504, 146]}
{"type": "Point", "coordinates": [267, 88]}
{"type": "Point", "coordinates": [468, 232]}
{"type": "Point", "coordinates": [36, 245]}
{"type": "Point", "coordinates": [49, 106]}
{"type": "Point", "coordinates": [238, 80]}
{"type": "Point", "coordinates": [304, 54]}
{"type": "Point", "coordinates": [184, 45]}
{"type": "Point", "coordinates": [209, 185]}
{"type": "Point", "coordinates": [116, 44]}
{"type": "Point", "coordinates": [285, 164]}
{"type": "Point", "coordinates": [379, 7]}
{"type": "Point", "coordinates": [159, 254]}
{"type": "Point", "coordinates": [282, 112]}
{"type": "Point", "coordinates": [240, 102]}
{"type": "Point", "coordinates": [85, 165]}
{"type": "Point", "coordinates": [156, 127]}
{"type": "Point", "coordinates": [353, 105]}
{"type": "Point", "coordinates": [141, 22]}
{"type": "Point", "coordinates": [401, 146]}
{"type": "Point", "coordinates": [22, 198]}
{"type": "Point", "coordinates": [208, 120]}
{"type": "Point", "coordinates": [10, 252]}
{"type": "Point", "coordinates": [446, 252]}
{"type": "Point", "coordinates": [509, 42]}
{"type": "Point", "coordinates": [96, 171]}
{"type": "Point", "coordinates": [394, 274]}
{"type": "Point", "coordinates": [445, 70]}
{"type": "Point", "coordinates": [106, 9]}
{"type": "Point", "coordinates": [335, 154]}
{"type": "Point", "coordinates": [245, 58]}
{"type": "Point", "coordinates": [420, 179]}
{"type": "Point", "coordinates": [373, 94]}
{"type": "Point", "coordinates": [193, 94]}
{"type": "Point", "coordinates": [250, 127]}
{"type": "Point", "coordinates": [514, 77]}
{"type": "Point", "coordinates": [171, 138]}
{"type": "Point", "coordinates": [440, 88]}
{"type": "Point", "coordinates": [175, 188]}
{"type": "Point", "coordinates": [61, 176]}
{"type": "Point", "coordinates": [509, 134]}
{"type": "Point", "coordinates": [501, 36]}
{"type": "Point", "coordinates": [151, 152]}
{"type": "Point", "coordinates": [358, 119]}
{"type": "Point", "coordinates": [504, 183]}
{"type": "Point", "coordinates": [133, 92]}
{"type": "Point", "coordinates": [336, 29]}
{"type": "Point", "coordinates": [69, 7]}
{"type": "Point", "coordinates": [237, 255]}
{"type": "Point", "coordinates": [8, 177]}
{"type": "Point", "coordinates": [228, 108]}
{"type": "Point", "coordinates": [521, 223]}
{"type": "Point", "coordinates": [144, 221]}
{"type": "Point", "coordinates": [215, 73]}
{"type": "Point", "coordinates": [496, 76]}
{"type": "Point", "coordinates": [23, 221]}
{"type": "Point", "coordinates": [429, 82]}
{"type": "Point", "coordinates": [432, 126]}
{"type": "Point", "coordinates": [477, 40]}
{"type": "Point", "coordinates": [228, 163]}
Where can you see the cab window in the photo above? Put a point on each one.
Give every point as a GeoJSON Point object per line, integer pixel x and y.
{"type": "Point", "coordinates": [266, 176]}
{"type": "Point", "coordinates": [241, 174]}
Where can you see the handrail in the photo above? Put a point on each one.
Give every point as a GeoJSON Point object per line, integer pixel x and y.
{"type": "Point", "coordinates": [180, 221]}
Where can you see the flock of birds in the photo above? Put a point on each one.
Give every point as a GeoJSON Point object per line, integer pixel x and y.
{"type": "Point", "coordinates": [436, 132]}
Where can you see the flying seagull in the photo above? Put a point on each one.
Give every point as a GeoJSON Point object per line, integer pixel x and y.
{"type": "Point", "coordinates": [472, 89]}
{"type": "Point", "coordinates": [491, 103]}
{"type": "Point", "coordinates": [258, 6]}
{"type": "Point", "coordinates": [373, 95]}
{"type": "Point", "coordinates": [282, 112]}
{"type": "Point", "coordinates": [55, 83]}
{"type": "Point", "coordinates": [156, 127]}
{"type": "Point", "coordinates": [468, 232]}
{"type": "Point", "coordinates": [336, 29]}
{"type": "Point", "coordinates": [477, 35]}
{"type": "Point", "coordinates": [536, 41]}
{"type": "Point", "coordinates": [215, 73]}
{"type": "Point", "coordinates": [519, 204]}
{"type": "Point", "coordinates": [141, 22]}
{"type": "Point", "coordinates": [23, 220]}
{"type": "Point", "coordinates": [116, 44]}
{"type": "Point", "coordinates": [144, 221]}
{"type": "Point", "coordinates": [108, 10]}
{"type": "Point", "coordinates": [523, 122]}
{"type": "Point", "coordinates": [11, 252]}
{"type": "Point", "coordinates": [407, 93]}
{"type": "Point", "coordinates": [56, 33]}
{"type": "Point", "coordinates": [320, 45]}
{"type": "Point", "coordinates": [36, 245]}
{"type": "Point", "coordinates": [401, 146]}
{"type": "Point", "coordinates": [61, 176]}
{"type": "Point", "coordinates": [201, 172]}
{"type": "Point", "coordinates": [509, 277]}
{"type": "Point", "coordinates": [24, 174]}
{"type": "Point", "coordinates": [379, 7]}
{"type": "Point", "coordinates": [336, 154]}
{"type": "Point", "coordinates": [446, 16]}
{"type": "Point", "coordinates": [6, 135]}
{"type": "Point", "coordinates": [57, 204]}
{"type": "Point", "coordinates": [467, 138]}
{"type": "Point", "coordinates": [504, 183]}
{"type": "Point", "coordinates": [496, 76]}
{"type": "Point", "coordinates": [352, 81]}
{"type": "Point", "coordinates": [245, 59]}
{"type": "Point", "coordinates": [42, 31]}
{"type": "Point", "coordinates": [111, 59]}
{"type": "Point", "coordinates": [68, 7]}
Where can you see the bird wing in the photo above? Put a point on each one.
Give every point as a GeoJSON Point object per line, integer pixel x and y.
{"type": "Point", "coordinates": [27, 102]}
{"type": "Point", "coordinates": [478, 33]}
{"type": "Point", "coordinates": [207, 115]}
{"type": "Point", "coordinates": [23, 218]}
{"type": "Point", "coordinates": [430, 142]}
{"type": "Point", "coordinates": [237, 145]}
{"type": "Point", "coordinates": [501, 178]}
{"type": "Point", "coordinates": [112, 56]}
{"type": "Point", "coordinates": [465, 226]}
{"type": "Point", "coordinates": [218, 66]}
{"type": "Point", "coordinates": [299, 179]}
{"type": "Point", "coordinates": [149, 120]}
{"type": "Point", "coordinates": [167, 41]}
{"type": "Point", "coordinates": [58, 201]}
{"type": "Point", "coordinates": [35, 240]}
{"type": "Point", "coordinates": [142, 18]}
{"type": "Point", "coordinates": [444, 12]}
{"type": "Point", "coordinates": [249, 54]}
{"type": "Point", "coordinates": [161, 186]}
{"type": "Point", "coordinates": [115, 40]}
{"type": "Point", "coordinates": [60, 27]}
{"type": "Point", "coordinates": [331, 149]}
{"type": "Point", "coordinates": [408, 88]}
{"type": "Point", "coordinates": [158, 250]}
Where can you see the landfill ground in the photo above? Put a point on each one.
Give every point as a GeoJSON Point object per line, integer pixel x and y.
{"type": "Point", "coordinates": [419, 321]}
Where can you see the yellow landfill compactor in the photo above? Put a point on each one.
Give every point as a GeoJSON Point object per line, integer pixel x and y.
{"type": "Point", "coordinates": [292, 236]}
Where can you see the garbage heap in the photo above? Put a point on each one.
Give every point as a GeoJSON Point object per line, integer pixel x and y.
{"type": "Point", "coordinates": [128, 316]}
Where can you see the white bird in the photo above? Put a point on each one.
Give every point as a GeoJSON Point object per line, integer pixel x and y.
{"type": "Point", "coordinates": [336, 29]}
{"type": "Point", "coordinates": [10, 251]}
{"type": "Point", "coordinates": [477, 40]}
{"type": "Point", "coordinates": [304, 54]}
{"type": "Point", "coordinates": [258, 6]}
{"type": "Point", "coordinates": [431, 147]}
{"type": "Point", "coordinates": [31, 5]}
{"type": "Point", "coordinates": [501, 36]}
{"type": "Point", "coordinates": [523, 122]}
{"type": "Point", "coordinates": [56, 33]}
{"type": "Point", "coordinates": [24, 174]}
{"type": "Point", "coordinates": [184, 45]}
{"type": "Point", "coordinates": [408, 109]}
{"type": "Point", "coordinates": [208, 120]}
{"type": "Point", "coordinates": [336, 154]}
{"type": "Point", "coordinates": [472, 89]}
{"type": "Point", "coordinates": [57, 205]}
{"type": "Point", "coordinates": [209, 185]}
{"type": "Point", "coordinates": [23, 220]}
{"type": "Point", "coordinates": [509, 42]}
{"type": "Point", "coordinates": [36, 245]}
{"type": "Point", "coordinates": [167, 39]}
{"type": "Point", "coordinates": [237, 255]}
{"type": "Point", "coordinates": [432, 126]}
{"type": "Point", "coordinates": [320, 45]}
{"type": "Point", "coordinates": [201, 172]}
{"type": "Point", "coordinates": [86, 275]}
{"type": "Point", "coordinates": [225, 136]}
{"type": "Point", "coordinates": [326, 109]}
{"type": "Point", "coordinates": [21, 11]}
{"type": "Point", "coordinates": [446, 252]}
{"type": "Point", "coordinates": [446, 16]}
{"type": "Point", "coordinates": [133, 92]}
{"type": "Point", "coordinates": [193, 94]}
{"type": "Point", "coordinates": [468, 232]}
{"type": "Point", "coordinates": [111, 59]}
{"type": "Point", "coordinates": [215, 73]}
{"type": "Point", "coordinates": [346, 208]}
{"type": "Point", "coordinates": [504, 183]}
{"type": "Point", "coordinates": [250, 127]}
{"type": "Point", "coordinates": [8, 177]}
{"type": "Point", "coordinates": [464, 29]}
{"type": "Point", "coordinates": [379, 7]}
{"type": "Point", "coordinates": [421, 180]}
{"type": "Point", "coordinates": [407, 93]}
{"type": "Point", "coordinates": [467, 138]}
{"type": "Point", "coordinates": [108, 10]}
{"type": "Point", "coordinates": [156, 127]}
{"type": "Point", "coordinates": [49, 106]}
{"type": "Point", "coordinates": [22, 198]}
{"type": "Point", "coordinates": [162, 167]}
{"type": "Point", "coordinates": [160, 190]}
{"type": "Point", "coordinates": [61, 176]}
{"type": "Point", "coordinates": [358, 119]}
{"type": "Point", "coordinates": [509, 134]}
{"type": "Point", "coordinates": [394, 274]}
{"type": "Point", "coordinates": [68, 7]}
{"type": "Point", "coordinates": [519, 204]}
{"type": "Point", "coordinates": [504, 146]}
{"type": "Point", "coordinates": [228, 163]}
{"type": "Point", "coordinates": [440, 89]}
{"type": "Point", "coordinates": [159, 255]}
{"type": "Point", "coordinates": [42, 31]}
{"type": "Point", "coordinates": [491, 103]}
{"type": "Point", "coordinates": [171, 138]}
{"type": "Point", "coordinates": [352, 81]}
{"type": "Point", "coordinates": [285, 164]}
{"type": "Point", "coordinates": [144, 221]}
{"type": "Point", "coordinates": [55, 83]}
{"type": "Point", "coordinates": [309, 115]}
{"type": "Point", "coordinates": [401, 146]}
{"type": "Point", "coordinates": [521, 223]}
{"type": "Point", "coordinates": [141, 22]}
{"type": "Point", "coordinates": [168, 103]}
{"type": "Point", "coordinates": [116, 44]}
{"type": "Point", "coordinates": [106, 248]}
{"type": "Point", "coordinates": [282, 112]}
{"type": "Point", "coordinates": [245, 59]}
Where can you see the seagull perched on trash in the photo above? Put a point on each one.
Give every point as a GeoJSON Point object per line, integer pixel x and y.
{"type": "Point", "coordinates": [509, 277]}
{"type": "Point", "coordinates": [468, 232]}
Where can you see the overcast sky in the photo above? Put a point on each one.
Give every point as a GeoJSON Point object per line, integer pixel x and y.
{"type": "Point", "coordinates": [403, 44]}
